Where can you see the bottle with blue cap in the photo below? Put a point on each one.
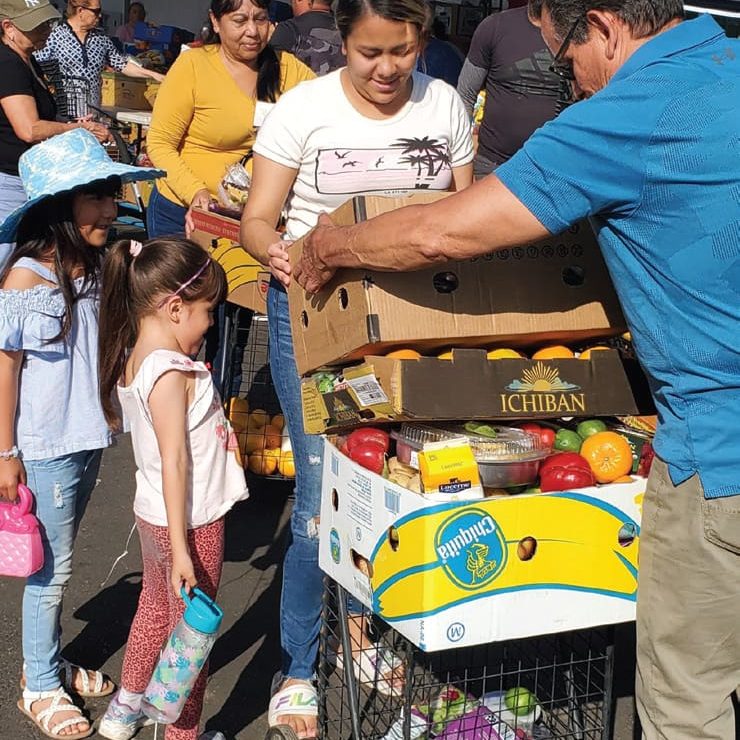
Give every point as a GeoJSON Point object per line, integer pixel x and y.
{"type": "Point", "coordinates": [183, 658]}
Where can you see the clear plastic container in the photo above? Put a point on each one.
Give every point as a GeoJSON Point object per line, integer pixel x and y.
{"type": "Point", "coordinates": [511, 458]}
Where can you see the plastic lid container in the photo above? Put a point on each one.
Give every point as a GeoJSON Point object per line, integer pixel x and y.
{"type": "Point", "coordinates": [202, 613]}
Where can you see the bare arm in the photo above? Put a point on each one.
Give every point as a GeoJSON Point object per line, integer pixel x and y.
{"type": "Point", "coordinates": [470, 83]}
{"type": "Point", "coordinates": [137, 70]}
{"type": "Point", "coordinates": [168, 404]}
{"type": "Point", "coordinates": [23, 115]}
{"type": "Point", "coordinates": [12, 471]}
{"type": "Point", "coordinates": [271, 183]}
{"type": "Point", "coordinates": [481, 219]}
{"type": "Point", "coordinates": [462, 177]}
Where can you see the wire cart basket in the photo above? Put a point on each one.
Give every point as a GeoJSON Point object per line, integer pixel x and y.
{"type": "Point", "coordinates": [560, 685]}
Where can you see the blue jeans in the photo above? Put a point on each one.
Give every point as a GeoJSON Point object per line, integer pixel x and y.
{"type": "Point", "coordinates": [163, 217]}
{"type": "Point", "coordinates": [12, 195]}
{"type": "Point", "coordinates": [62, 488]}
{"type": "Point", "coordinates": [300, 607]}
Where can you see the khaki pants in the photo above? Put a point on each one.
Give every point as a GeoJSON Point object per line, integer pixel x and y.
{"type": "Point", "coordinates": [688, 611]}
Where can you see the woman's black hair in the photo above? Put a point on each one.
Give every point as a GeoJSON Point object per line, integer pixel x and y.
{"type": "Point", "coordinates": [416, 12]}
{"type": "Point", "coordinates": [48, 232]}
{"type": "Point", "coordinates": [268, 62]}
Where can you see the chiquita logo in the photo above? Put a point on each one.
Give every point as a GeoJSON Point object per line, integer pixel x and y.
{"type": "Point", "coordinates": [470, 548]}
{"type": "Point", "coordinates": [540, 390]}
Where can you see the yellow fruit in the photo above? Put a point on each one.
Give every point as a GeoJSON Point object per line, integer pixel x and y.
{"type": "Point", "coordinates": [555, 352]}
{"type": "Point", "coordinates": [263, 463]}
{"type": "Point", "coordinates": [253, 442]}
{"type": "Point", "coordinates": [404, 354]}
{"type": "Point", "coordinates": [278, 421]}
{"type": "Point", "coordinates": [586, 354]}
{"type": "Point", "coordinates": [447, 355]}
{"type": "Point", "coordinates": [504, 354]}
{"type": "Point", "coordinates": [273, 437]}
{"type": "Point", "coordinates": [258, 419]}
{"type": "Point", "coordinates": [238, 413]}
{"type": "Point", "coordinates": [286, 464]}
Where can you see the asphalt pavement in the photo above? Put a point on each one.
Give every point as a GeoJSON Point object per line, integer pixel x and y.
{"type": "Point", "coordinates": [97, 617]}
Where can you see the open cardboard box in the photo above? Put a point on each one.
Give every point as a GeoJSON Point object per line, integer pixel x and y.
{"type": "Point", "coordinates": [557, 290]}
{"type": "Point", "coordinates": [469, 387]}
{"type": "Point", "coordinates": [466, 573]}
{"type": "Point", "coordinates": [248, 279]}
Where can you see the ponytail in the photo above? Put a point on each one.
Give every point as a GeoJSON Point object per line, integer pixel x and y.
{"type": "Point", "coordinates": [117, 325]}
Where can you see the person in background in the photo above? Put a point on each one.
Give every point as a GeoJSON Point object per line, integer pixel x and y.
{"type": "Point", "coordinates": [441, 58]}
{"type": "Point", "coordinates": [136, 14]}
{"type": "Point", "coordinates": [157, 302]}
{"type": "Point", "coordinates": [27, 107]}
{"type": "Point", "coordinates": [374, 126]}
{"type": "Point", "coordinates": [52, 427]}
{"type": "Point", "coordinates": [509, 59]}
{"type": "Point", "coordinates": [311, 35]}
{"type": "Point", "coordinates": [79, 51]}
{"type": "Point", "coordinates": [650, 154]}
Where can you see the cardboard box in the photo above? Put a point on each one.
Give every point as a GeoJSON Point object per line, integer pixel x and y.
{"type": "Point", "coordinates": [557, 290]}
{"type": "Point", "coordinates": [454, 574]}
{"type": "Point", "coordinates": [248, 279]}
{"type": "Point", "coordinates": [469, 387]}
{"type": "Point", "coordinates": [121, 91]}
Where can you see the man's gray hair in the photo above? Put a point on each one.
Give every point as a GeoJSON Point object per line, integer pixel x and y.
{"type": "Point", "coordinates": [643, 17]}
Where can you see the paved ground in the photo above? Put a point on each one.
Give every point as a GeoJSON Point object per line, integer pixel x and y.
{"type": "Point", "coordinates": [96, 620]}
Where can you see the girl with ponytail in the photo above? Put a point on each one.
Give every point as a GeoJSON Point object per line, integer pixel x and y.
{"type": "Point", "coordinates": [157, 304]}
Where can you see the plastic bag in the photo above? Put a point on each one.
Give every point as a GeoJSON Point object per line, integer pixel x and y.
{"type": "Point", "coordinates": [234, 187]}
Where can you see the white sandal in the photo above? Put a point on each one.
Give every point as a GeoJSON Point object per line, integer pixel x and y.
{"type": "Point", "coordinates": [102, 685]}
{"type": "Point", "coordinates": [60, 702]}
{"type": "Point", "coordinates": [296, 700]}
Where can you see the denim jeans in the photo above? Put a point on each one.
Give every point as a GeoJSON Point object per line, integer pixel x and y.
{"type": "Point", "coordinates": [163, 217]}
{"type": "Point", "coordinates": [12, 195]}
{"type": "Point", "coordinates": [62, 488]}
{"type": "Point", "coordinates": [300, 607]}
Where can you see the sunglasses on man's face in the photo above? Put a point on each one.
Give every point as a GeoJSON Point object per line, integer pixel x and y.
{"type": "Point", "coordinates": [563, 69]}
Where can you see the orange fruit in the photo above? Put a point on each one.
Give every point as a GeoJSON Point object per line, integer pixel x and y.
{"type": "Point", "coordinates": [586, 354]}
{"type": "Point", "coordinates": [286, 464]}
{"type": "Point", "coordinates": [446, 355]}
{"type": "Point", "coordinates": [253, 442]}
{"type": "Point", "coordinates": [273, 437]}
{"type": "Point", "coordinates": [258, 419]}
{"type": "Point", "coordinates": [404, 354]}
{"type": "Point", "coordinates": [609, 455]}
{"type": "Point", "coordinates": [278, 421]}
{"type": "Point", "coordinates": [238, 414]}
{"type": "Point", "coordinates": [624, 479]}
{"type": "Point", "coordinates": [554, 352]}
{"type": "Point", "coordinates": [263, 463]}
{"type": "Point", "coordinates": [503, 353]}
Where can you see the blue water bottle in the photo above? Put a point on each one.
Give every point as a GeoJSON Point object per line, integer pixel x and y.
{"type": "Point", "coordinates": [183, 658]}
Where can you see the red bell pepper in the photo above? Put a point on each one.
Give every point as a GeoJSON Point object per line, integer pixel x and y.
{"type": "Point", "coordinates": [565, 471]}
{"type": "Point", "coordinates": [370, 455]}
{"type": "Point", "coordinates": [368, 434]}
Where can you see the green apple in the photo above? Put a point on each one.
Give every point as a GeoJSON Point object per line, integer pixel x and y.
{"type": "Point", "coordinates": [520, 701]}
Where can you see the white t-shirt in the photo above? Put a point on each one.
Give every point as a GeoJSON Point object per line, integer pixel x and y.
{"type": "Point", "coordinates": [216, 479]}
{"type": "Point", "coordinates": [340, 153]}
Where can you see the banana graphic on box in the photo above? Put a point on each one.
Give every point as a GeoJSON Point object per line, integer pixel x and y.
{"type": "Point", "coordinates": [241, 269]}
{"type": "Point", "coordinates": [451, 554]}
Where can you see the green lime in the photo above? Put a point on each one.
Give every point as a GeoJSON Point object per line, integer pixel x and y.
{"type": "Point", "coordinates": [567, 440]}
{"type": "Point", "coordinates": [520, 701]}
{"type": "Point", "coordinates": [590, 427]}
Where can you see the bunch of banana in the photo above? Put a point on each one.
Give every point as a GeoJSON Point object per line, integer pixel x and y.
{"type": "Point", "coordinates": [404, 475]}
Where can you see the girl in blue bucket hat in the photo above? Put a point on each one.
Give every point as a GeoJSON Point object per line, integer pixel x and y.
{"type": "Point", "coordinates": [52, 427]}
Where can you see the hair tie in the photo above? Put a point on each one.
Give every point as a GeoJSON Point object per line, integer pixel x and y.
{"type": "Point", "coordinates": [135, 248]}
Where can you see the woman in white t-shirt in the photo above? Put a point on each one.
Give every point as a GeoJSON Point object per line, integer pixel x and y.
{"type": "Point", "coordinates": [375, 126]}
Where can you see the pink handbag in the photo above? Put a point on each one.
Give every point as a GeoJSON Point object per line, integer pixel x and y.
{"type": "Point", "coordinates": [21, 550]}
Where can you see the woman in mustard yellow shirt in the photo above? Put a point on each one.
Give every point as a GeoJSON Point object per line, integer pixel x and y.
{"type": "Point", "coordinates": [204, 115]}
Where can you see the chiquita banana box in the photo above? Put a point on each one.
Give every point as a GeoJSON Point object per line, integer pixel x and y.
{"type": "Point", "coordinates": [465, 573]}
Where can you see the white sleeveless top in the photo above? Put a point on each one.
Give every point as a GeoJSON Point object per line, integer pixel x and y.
{"type": "Point", "coordinates": [217, 480]}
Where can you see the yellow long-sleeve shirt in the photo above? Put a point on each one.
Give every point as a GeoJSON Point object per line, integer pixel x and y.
{"type": "Point", "coordinates": [202, 122]}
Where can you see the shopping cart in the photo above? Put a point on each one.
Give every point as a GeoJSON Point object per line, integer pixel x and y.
{"type": "Point", "coordinates": [565, 680]}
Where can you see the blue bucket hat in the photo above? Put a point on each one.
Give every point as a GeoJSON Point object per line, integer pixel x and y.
{"type": "Point", "coordinates": [62, 163]}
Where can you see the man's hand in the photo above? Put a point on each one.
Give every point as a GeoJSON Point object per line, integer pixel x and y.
{"type": "Point", "coordinates": [311, 272]}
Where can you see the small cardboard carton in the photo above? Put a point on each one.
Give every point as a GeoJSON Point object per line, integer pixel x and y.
{"type": "Point", "coordinates": [120, 91]}
{"type": "Point", "coordinates": [248, 279]}
{"type": "Point", "coordinates": [466, 573]}
{"type": "Point", "coordinates": [557, 290]}
{"type": "Point", "coordinates": [469, 386]}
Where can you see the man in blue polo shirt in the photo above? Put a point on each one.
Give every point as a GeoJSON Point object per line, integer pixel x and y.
{"type": "Point", "coordinates": [652, 154]}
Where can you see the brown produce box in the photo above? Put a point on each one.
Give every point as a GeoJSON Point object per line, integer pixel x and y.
{"type": "Point", "coordinates": [469, 387]}
{"type": "Point", "coordinates": [556, 290]}
{"type": "Point", "coordinates": [248, 279]}
{"type": "Point", "coordinates": [121, 91]}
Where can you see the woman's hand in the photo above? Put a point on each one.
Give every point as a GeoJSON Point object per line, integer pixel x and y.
{"type": "Point", "coordinates": [200, 200]}
{"type": "Point", "coordinates": [12, 473]}
{"type": "Point", "coordinates": [182, 572]}
{"type": "Point", "coordinates": [279, 261]}
{"type": "Point", "coordinates": [99, 131]}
